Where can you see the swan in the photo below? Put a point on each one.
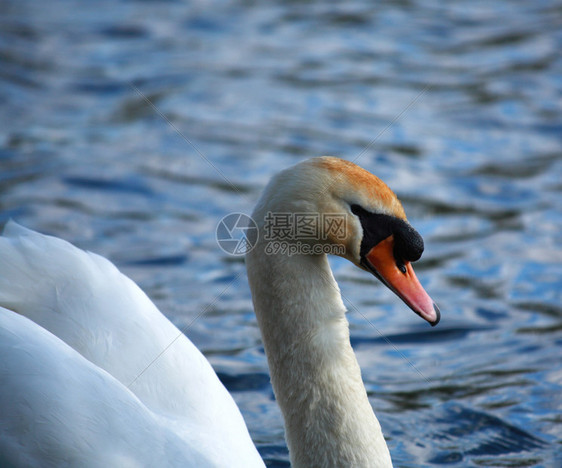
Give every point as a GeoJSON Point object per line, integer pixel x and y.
{"type": "Point", "coordinates": [94, 375]}
{"type": "Point", "coordinates": [297, 302]}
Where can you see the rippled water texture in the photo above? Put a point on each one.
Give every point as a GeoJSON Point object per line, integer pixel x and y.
{"type": "Point", "coordinates": [457, 105]}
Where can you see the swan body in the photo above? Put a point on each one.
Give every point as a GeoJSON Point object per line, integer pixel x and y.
{"type": "Point", "coordinates": [92, 371]}
{"type": "Point", "coordinates": [60, 409]}
{"type": "Point", "coordinates": [94, 375]}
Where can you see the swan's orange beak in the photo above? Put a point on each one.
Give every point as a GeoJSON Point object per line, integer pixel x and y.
{"type": "Point", "coordinates": [405, 285]}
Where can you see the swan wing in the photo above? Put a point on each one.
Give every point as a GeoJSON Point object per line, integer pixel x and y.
{"type": "Point", "coordinates": [84, 300]}
{"type": "Point", "coordinates": [58, 409]}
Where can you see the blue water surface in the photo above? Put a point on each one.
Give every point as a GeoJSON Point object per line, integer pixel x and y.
{"type": "Point", "coordinates": [132, 127]}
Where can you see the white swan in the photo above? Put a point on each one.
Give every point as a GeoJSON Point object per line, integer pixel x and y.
{"type": "Point", "coordinates": [315, 376]}
{"type": "Point", "coordinates": [80, 383]}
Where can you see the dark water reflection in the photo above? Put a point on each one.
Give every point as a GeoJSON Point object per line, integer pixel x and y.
{"type": "Point", "coordinates": [457, 106]}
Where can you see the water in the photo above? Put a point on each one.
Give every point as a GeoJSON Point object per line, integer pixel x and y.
{"type": "Point", "coordinates": [458, 107]}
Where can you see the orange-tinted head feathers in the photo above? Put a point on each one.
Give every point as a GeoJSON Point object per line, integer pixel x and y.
{"type": "Point", "coordinates": [357, 180]}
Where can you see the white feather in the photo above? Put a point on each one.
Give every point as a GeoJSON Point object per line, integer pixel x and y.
{"type": "Point", "coordinates": [113, 394]}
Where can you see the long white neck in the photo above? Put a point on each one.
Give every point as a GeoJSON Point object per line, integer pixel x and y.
{"type": "Point", "coordinates": [314, 372]}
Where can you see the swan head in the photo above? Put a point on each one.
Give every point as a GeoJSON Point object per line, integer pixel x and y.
{"type": "Point", "coordinates": [340, 208]}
